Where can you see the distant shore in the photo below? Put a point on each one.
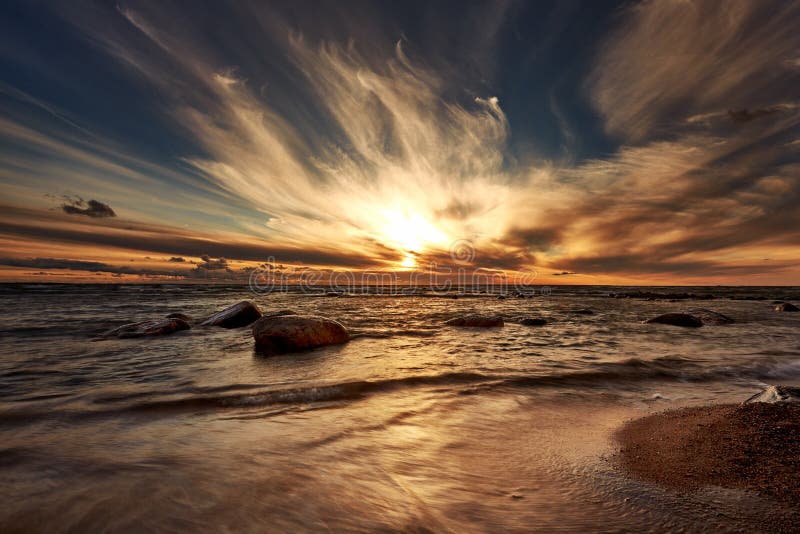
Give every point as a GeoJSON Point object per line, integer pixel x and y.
{"type": "Point", "coordinates": [754, 447]}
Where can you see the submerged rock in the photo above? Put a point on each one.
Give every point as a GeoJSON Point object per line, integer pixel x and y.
{"type": "Point", "coordinates": [156, 327]}
{"type": "Point", "coordinates": [676, 319]}
{"type": "Point", "coordinates": [710, 316]}
{"type": "Point", "coordinates": [280, 334]}
{"type": "Point", "coordinates": [532, 321]}
{"type": "Point", "coordinates": [786, 307]}
{"type": "Point", "coordinates": [479, 321]}
{"type": "Point", "coordinates": [240, 314]}
{"type": "Point", "coordinates": [773, 394]}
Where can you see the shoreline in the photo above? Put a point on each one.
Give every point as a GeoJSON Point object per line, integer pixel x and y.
{"type": "Point", "coordinates": [752, 447]}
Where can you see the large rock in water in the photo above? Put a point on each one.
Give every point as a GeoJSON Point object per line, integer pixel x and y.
{"type": "Point", "coordinates": [181, 316]}
{"type": "Point", "coordinates": [773, 394]}
{"type": "Point", "coordinates": [240, 314]}
{"type": "Point", "coordinates": [709, 316]}
{"type": "Point", "coordinates": [157, 327]}
{"type": "Point", "coordinates": [292, 333]}
{"type": "Point", "coordinates": [479, 321]}
{"type": "Point", "coordinates": [676, 319]}
{"type": "Point", "coordinates": [786, 307]}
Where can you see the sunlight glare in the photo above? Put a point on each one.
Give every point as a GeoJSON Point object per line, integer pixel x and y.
{"type": "Point", "coordinates": [410, 231]}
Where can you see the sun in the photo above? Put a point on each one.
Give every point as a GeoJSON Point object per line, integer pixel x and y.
{"type": "Point", "coordinates": [408, 261]}
{"type": "Point", "coordinates": [410, 232]}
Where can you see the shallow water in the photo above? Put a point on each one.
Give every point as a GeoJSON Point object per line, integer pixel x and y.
{"type": "Point", "coordinates": [411, 426]}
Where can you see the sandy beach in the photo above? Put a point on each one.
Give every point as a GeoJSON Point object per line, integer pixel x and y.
{"type": "Point", "coordinates": [751, 447]}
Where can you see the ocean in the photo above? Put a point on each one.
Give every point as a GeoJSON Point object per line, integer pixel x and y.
{"type": "Point", "coordinates": [412, 426]}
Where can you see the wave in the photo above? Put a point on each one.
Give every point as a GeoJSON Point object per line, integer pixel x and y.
{"type": "Point", "coordinates": [402, 332]}
{"type": "Point", "coordinates": [608, 375]}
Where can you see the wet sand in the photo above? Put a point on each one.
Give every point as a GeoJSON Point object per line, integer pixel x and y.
{"type": "Point", "coordinates": [753, 447]}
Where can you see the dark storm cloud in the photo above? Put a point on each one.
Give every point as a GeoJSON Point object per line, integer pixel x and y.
{"type": "Point", "coordinates": [90, 208]}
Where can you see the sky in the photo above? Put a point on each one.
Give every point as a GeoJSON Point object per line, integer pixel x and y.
{"type": "Point", "coordinates": [566, 142]}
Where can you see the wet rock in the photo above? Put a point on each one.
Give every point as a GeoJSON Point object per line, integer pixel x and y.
{"type": "Point", "coordinates": [156, 327]}
{"type": "Point", "coordinates": [709, 316]}
{"type": "Point", "coordinates": [181, 316]}
{"type": "Point", "coordinates": [292, 333]}
{"type": "Point", "coordinates": [676, 319]}
{"type": "Point", "coordinates": [243, 313]}
{"type": "Point", "coordinates": [532, 321]}
{"type": "Point", "coordinates": [773, 394]}
{"type": "Point", "coordinates": [280, 313]}
{"type": "Point", "coordinates": [477, 321]}
{"type": "Point", "coordinates": [786, 307]}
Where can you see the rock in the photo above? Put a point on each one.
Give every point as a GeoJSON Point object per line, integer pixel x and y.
{"type": "Point", "coordinates": [501, 297]}
{"type": "Point", "coordinates": [280, 313]}
{"type": "Point", "coordinates": [786, 307]}
{"type": "Point", "coordinates": [293, 333]}
{"type": "Point", "coordinates": [582, 312]}
{"type": "Point", "coordinates": [181, 316]}
{"type": "Point", "coordinates": [709, 316]}
{"type": "Point", "coordinates": [157, 327]}
{"type": "Point", "coordinates": [241, 314]}
{"type": "Point", "coordinates": [773, 394]}
{"type": "Point", "coordinates": [676, 319]}
{"type": "Point", "coordinates": [480, 321]}
{"type": "Point", "coordinates": [532, 321]}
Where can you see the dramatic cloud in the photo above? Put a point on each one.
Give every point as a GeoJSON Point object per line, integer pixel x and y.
{"type": "Point", "coordinates": [90, 208]}
{"type": "Point", "coordinates": [362, 151]}
{"type": "Point", "coordinates": [672, 59]}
